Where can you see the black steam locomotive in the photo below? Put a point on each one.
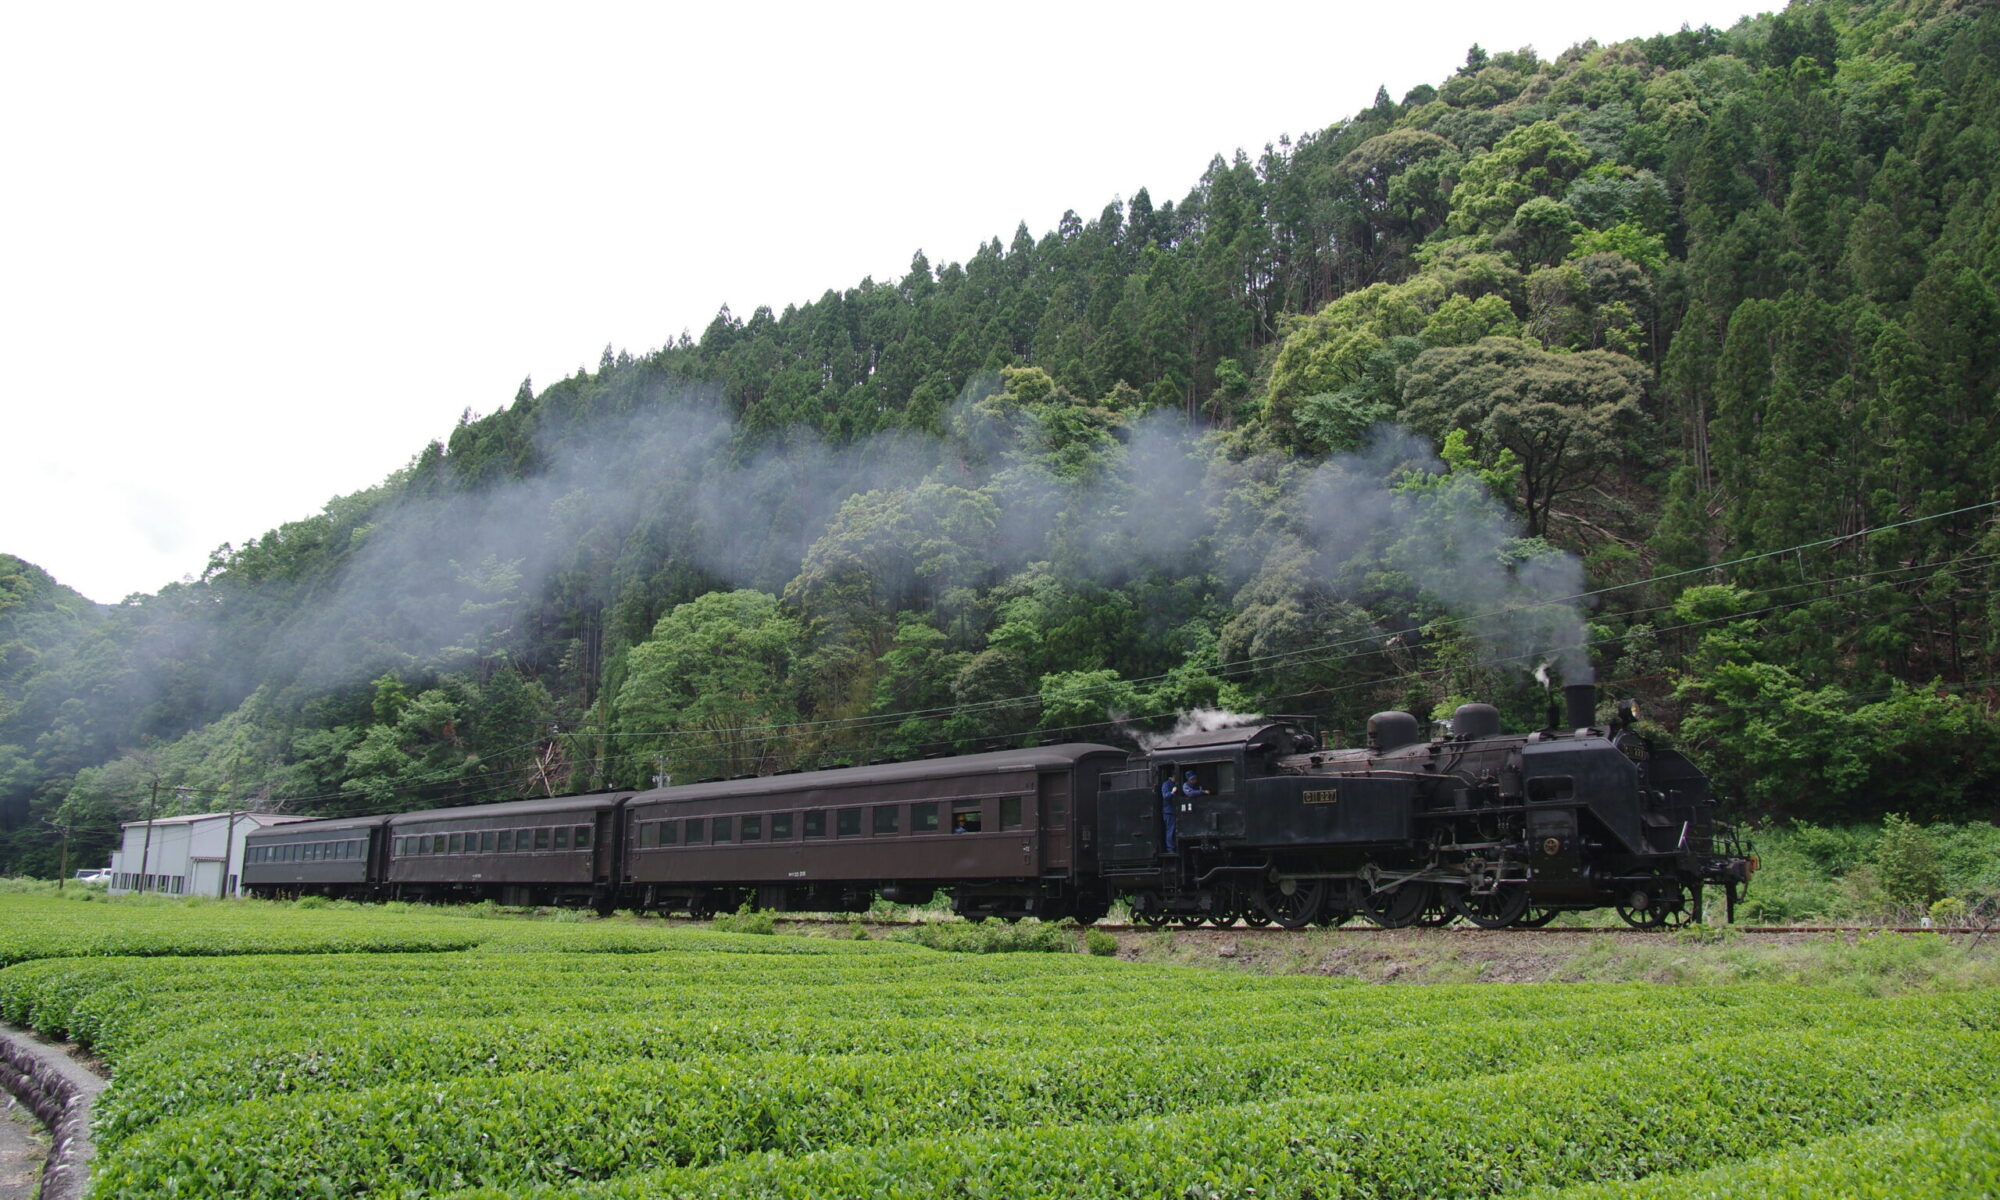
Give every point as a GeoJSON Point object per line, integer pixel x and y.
{"type": "Point", "coordinates": [1254, 822]}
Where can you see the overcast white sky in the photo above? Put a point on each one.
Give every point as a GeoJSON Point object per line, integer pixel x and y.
{"type": "Point", "coordinates": [255, 256]}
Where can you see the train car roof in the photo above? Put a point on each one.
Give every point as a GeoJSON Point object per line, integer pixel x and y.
{"type": "Point", "coordinates": [589, 802]}
{"type": "Point", "coordinates": [312, 825]}
{"type": "Point", "coordinates": [1034, 758]}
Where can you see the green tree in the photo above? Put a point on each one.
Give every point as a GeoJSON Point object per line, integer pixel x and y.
{"type": "Point", "coordinates": [1534, 160]}
{"type": "Point", "coordinates": [710, 692]}
{"type": "Point", "coordinates": [1564, 417]}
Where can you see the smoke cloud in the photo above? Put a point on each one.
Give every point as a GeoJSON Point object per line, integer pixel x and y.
{"type": "Point", "coordinates": [1198, 720]}
{"type": "Point", "coordinates": [462, 573]}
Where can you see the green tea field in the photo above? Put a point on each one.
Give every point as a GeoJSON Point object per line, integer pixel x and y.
{"type": "Point", "coordinates": [265, 1050]}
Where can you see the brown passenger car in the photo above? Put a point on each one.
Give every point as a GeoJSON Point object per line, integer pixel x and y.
{"type": "Point", "coordinates": [557, 851]}
{"type": "Point", "coordinates": [334, 857]}
{"type": "Point", "coordinates": [1007, 831]}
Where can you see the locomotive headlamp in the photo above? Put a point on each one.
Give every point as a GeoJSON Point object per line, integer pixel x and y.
{"type": "Point", "coordinates": [1552, 846]}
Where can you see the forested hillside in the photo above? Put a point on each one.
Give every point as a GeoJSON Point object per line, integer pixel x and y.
{"type": "Point", "coordinates": [1673, 360]}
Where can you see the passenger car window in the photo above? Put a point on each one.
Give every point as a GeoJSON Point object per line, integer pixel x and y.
{"type": "Point", "coordinates": [888, 819]}
{"type": "Point", "coordinates": [848, 822]}
{"type": "Point", "coordinates": [753, 828]}
{"type": "Point", "coordinates": [1010, 812]}
{"type": "Point", "coordinates": [924, 818]}
{"type": "Point", "coordinates": [781, 826]}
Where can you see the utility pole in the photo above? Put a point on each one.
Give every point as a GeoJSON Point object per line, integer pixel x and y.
{"type": "Point", "coordinates": [228, 853]}
{"type": "Point", "coordinates": [146, 851]}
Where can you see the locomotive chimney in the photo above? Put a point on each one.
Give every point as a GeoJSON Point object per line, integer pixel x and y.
{"type": "Point", "coordinates": [1580, 705]}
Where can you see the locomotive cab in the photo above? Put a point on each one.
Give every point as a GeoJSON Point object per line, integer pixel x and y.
{"type": "Point", "coordinates": [1223, 764]}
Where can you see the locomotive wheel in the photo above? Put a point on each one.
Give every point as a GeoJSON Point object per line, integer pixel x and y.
{"type": "Point", "coordinates": [1148, 909]}
{"type": "Point", "coordinates": [1535, 918]}
{"type": "Point", "coordinates": [1666, 909]}
{"type": "Point", "coordinates": [1399, 907]}
{"type": "Point", "coordinates": [1439, 912]}
{"type": "Point", "coordinates": [1223, 918]}
{"type": "Point", "coordinates": [1293, 909]}
{"type": "Point", "coordinates": [1332, 914]}
{"type": "Point", "coordinates": [1192, 920]}
{"type": "Point", "coordinates": [1254, 915]}
{"type": "Point", "coordinates": [1495, 910]}
{"type": "Point", "coordinates": [1648, 917]}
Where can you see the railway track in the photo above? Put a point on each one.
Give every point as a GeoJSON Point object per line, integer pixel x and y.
{"type": "Point", "coordinates": [1459, 928]}
{"type": "Point", "coordinates": [1456, 927]}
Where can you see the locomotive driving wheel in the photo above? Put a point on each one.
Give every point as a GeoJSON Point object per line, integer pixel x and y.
{"type": "Point", "coordinates": [1535, 918]}
{"type": "Point", "coordinates": [1497, 909]}
{"type": "Point", "coordinates": [1332, 914]}
{"type": "Point", "coordinates": [1438, 913]}
{"type": "Point", "coordinates": [1293, 903]}
{"type": "Point", "coordinates": [1397, 908]}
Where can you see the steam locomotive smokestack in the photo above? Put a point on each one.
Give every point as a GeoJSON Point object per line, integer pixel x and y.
{"type": "Point", "coordinates": [1580, 705]}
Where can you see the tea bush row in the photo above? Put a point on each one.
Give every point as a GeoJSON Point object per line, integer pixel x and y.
{"type": "Point", "coordinates": [1666, 1110]}
{"type": "Point", "coordinates": [1952, 1152]}
{"type": "Point", "coordinates": [604, 1120]}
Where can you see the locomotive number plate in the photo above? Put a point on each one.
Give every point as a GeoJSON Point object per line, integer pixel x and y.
{"type": "Point", "coordinates": [1326, 796]}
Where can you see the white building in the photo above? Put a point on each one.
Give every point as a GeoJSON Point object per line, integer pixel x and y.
{"type": "Point", "coordinates": [186, 856]}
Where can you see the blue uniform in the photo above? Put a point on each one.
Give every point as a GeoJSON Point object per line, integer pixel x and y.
{"type": "Point", "coordinates": [1169, 793]}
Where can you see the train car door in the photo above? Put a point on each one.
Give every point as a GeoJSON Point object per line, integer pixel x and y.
{"type": "Point", "coordinates": [606, 834]}
{"type": "Point", "coordinates": [1052, 817]}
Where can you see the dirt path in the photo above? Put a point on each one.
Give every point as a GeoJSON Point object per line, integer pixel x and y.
{"type": "Point", "coordinates": [23, 1145]}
